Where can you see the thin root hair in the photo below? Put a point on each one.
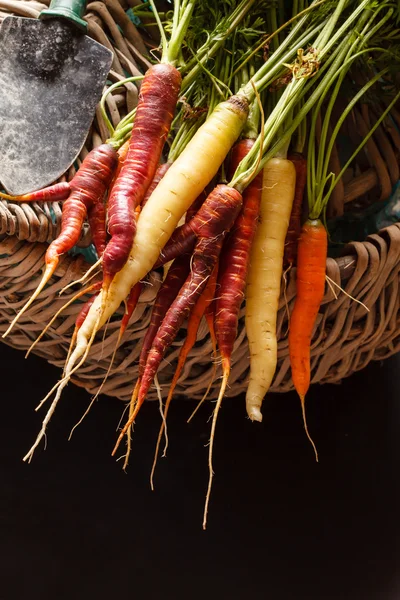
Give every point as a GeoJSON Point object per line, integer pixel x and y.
{"type": "Point", "coordinates": [346, 293]}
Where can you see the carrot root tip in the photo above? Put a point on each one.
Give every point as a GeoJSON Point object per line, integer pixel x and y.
{"type": "Point", "coordinates": [254, 414]}
{"type": "Point", "coordinates": [303, 410]}
{"type": "Point", "coordinates": [50, 268]}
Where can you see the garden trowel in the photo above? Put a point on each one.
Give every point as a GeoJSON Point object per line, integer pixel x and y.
{"type": "Point", "coordinates": [51, 78]}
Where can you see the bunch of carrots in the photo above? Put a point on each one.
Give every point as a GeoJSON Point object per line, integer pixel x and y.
{"type": "Point", "coordinates": [207, 176]}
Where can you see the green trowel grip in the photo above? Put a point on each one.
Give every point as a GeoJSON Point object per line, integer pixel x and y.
{"type": "Point", "coordinates": [73, 10]}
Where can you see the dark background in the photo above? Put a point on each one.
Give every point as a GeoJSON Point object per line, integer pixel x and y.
{"type": "Point", "coordinates": [73, 525]}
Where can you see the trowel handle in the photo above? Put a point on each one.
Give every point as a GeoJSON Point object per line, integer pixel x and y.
{"type": "Point", "coordinates": [73, 10]}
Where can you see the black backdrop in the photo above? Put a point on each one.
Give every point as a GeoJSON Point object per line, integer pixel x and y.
{"type": "Point", "coordinates": [74, 526]}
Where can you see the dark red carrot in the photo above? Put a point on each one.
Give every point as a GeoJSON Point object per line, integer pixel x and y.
{"type": "Point", "coordinates": [80, 319]}
{"type": "Point", "coordinates": [193, 324]}
{"type": "Point", "coordinates": [84, 311]}
{"type": "Point", "coordinates": [234, 260]}
{"type": "Point", "coordinates": [97, 214]}
{"type": "Point", "coordinates": [167, 293]}
{"type": "Point", "coordinates": [218, 215]}
{"type": "Point", "coordinates": [158, 97]}
{"type": "Point", "coordinates": [209, 315]}
{"type": "Point", "coordinates": [122, 154]}
{"type": "Point", "coordinates": [232, 275]}
{"type": "Point", "coordinates": [98, 227]}
{"type": "Point", "coordinates": [184, 237]}
{"type": "Point", "coordinates": [88, 185]}
{"type": "Point", "coordinates": [294, 229]}
{"type": "Point", "coordinates": [53, 193]}
{"type": "Point", "coordinates": [210, 318]}
{"type": "Point", "coordinates": [204, 258]}
{"type": "Point", "coordinates": [131, 304]}
{"type": "Point", "coordinates": [159, 174]}
{"type": "Point", "coordinates": [88, 188]}
{"type": "Point", "coordinates": [195, 207]}
{"type": "Point", "coordinates": [181, 242]}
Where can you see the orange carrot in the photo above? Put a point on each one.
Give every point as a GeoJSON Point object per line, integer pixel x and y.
{"type": "Point", "coordinates": [311, 268]}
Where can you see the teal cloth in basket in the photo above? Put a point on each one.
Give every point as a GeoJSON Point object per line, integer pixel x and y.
{"type": "Point", "coordinates": [89, 253]}
{"type": "Point", "coordinates": [351, 227]}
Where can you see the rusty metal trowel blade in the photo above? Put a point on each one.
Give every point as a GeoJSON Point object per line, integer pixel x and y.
{"type": "Point", "coordinates": [51, 78]}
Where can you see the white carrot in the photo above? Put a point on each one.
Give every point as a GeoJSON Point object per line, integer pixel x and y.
{"type": "Point", "coordinates": [264, 279]}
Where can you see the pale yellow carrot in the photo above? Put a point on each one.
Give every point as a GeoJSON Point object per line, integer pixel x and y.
{"type": "Point", "coordinates": [264, 279]}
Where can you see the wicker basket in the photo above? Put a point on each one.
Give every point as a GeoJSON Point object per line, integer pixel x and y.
{"type": "Point", "coordinates": [346, 337]}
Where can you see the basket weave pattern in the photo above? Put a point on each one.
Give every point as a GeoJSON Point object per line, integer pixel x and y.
{"type": "Point", "coordinates": [346, 337]}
